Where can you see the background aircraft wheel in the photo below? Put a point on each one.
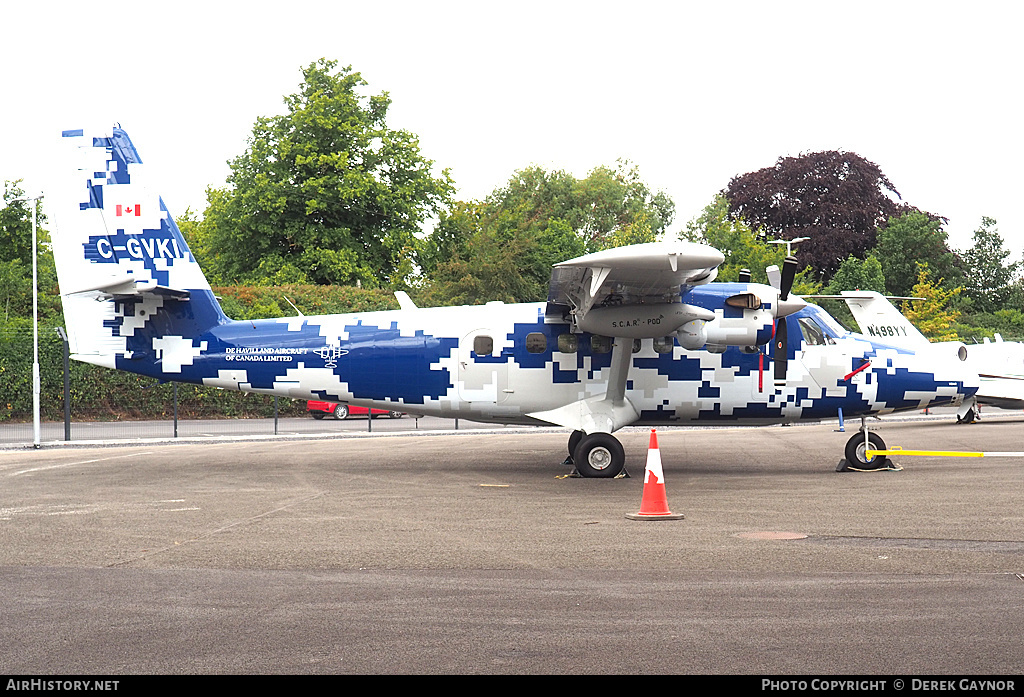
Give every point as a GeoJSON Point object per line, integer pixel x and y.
{"type": "Point", "coordinates": [341, 411]}
{"type": "Point", "coordinates": [970, 417]}
{"type": "Point", "coordinates": [855, 452]}
{"type": "Point", "coordinates": [394, 414]}
{"type": "Point", "coordinates": [599, 455]}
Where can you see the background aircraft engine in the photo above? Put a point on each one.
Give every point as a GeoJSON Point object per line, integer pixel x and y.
{"type": "Point", "coordinates": [642, 321]}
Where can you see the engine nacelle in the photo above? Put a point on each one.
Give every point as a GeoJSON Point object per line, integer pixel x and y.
{"type": "Point", "coordinates": [753, 328]}
{"type": "Point", "coordinates": [641, 321]}
{"type": "Point", "coordinates": [953, 350]}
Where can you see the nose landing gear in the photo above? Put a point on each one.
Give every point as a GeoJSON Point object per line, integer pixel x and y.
{"type": "Point", "coordinates": [856, 452]}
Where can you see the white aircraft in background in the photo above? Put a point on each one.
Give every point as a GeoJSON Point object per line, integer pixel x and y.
{"type": "Point", "coordinates": [999, 364]}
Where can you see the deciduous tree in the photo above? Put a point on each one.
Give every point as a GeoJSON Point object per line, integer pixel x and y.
{"type": "Point", "coordinates": [989, 280]}
{"type": "Point", "coordinates": [326, 193]}
{"type": "Point", "coordinates": [837, 199]}
{"type": "Point", "coordinates": [909, 240]}
{"type": "Point", "coordinates": [933, 315]}
{"type": "Point", "coordinates": [502, 248]}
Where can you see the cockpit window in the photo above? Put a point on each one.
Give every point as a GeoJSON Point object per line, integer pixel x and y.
{"type": "Point", "coordinates": [831, 324]}
{"type": "Point", "coordinates": [812, 333]}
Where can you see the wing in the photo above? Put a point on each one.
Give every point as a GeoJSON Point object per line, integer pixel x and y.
{"type": "Point", "coordinates": [637, 280]}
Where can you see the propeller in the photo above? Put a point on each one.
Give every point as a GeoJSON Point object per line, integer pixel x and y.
{"type": "Point", "coordinates": [780, 339]}
{"type": "Point", "coordinates": [780, 343]}
{"type": "Point", "coordinates": [788, 274]}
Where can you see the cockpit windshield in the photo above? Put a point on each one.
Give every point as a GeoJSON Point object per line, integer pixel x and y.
{"type": "Point", "coordinates": [831, 326]}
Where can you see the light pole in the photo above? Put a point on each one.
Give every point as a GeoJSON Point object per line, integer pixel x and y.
{"type": "Point", "coordinates": [35, 322]}
{"type": "Point", "coordinates": [789, 244]}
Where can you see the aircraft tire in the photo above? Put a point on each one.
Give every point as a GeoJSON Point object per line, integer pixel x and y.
{"type": "Point", "coordinates": [395, 414]}
{"type": "Point", "coordinates": [574, 441]}
{"type": "Point", "coordinates": [599, 455]}
{"type": "Point", "coordinates": [341, 411]}
{"type": "Point", "coordinates": [855, 452]}
{"type": "Point", "coordinates": [973, 416]}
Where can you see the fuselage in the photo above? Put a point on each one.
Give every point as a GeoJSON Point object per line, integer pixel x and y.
{"type": "Point", "coordinates": [502, 362]}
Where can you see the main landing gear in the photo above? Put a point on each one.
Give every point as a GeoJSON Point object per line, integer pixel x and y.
{"type": "Point", "coordinates": [856, 452]}
{"type": "Point", "coordinates": [596, 454]}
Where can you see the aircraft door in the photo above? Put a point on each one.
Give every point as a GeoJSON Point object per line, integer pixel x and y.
{"type": "Point", "coordinates": [483, 371]}
{"type": "Point", "coordinates": [824, 361]}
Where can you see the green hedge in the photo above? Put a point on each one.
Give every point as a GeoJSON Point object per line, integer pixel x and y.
{"type": "Point", "coordinates": [99, 394]}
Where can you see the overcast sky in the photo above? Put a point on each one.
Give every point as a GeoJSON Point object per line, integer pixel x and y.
{"type": "Point", "coordinates": [693, 93]}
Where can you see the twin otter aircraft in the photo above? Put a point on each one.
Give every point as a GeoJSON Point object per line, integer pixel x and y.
{"type": "Point", "coordinates": [636, 335]}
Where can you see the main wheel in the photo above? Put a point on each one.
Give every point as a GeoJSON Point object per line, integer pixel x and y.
{"type": "Point", "coordinates": [599, 455]}
{"type": "Point", "coordinates": [971, 416]}
{"type": "Point", "coordinates": [856, 452]}
{"type": "Point", "coordinates": [574, 441]}
{"type": "Point", "coordinates": [341, 411]}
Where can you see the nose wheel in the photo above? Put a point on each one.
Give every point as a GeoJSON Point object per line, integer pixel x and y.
{"type": "Point", "coordinates": [856, 453]}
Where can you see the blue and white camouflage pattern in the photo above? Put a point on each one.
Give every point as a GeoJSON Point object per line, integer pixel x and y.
{"type": "Point", "coordinates": [135, 299]}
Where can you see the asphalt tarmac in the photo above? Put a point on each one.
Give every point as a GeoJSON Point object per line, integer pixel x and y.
{"type": "Point", "coordinates": [473, 552]}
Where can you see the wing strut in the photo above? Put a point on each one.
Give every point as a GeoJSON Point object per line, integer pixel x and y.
{"type": "Point", "coordinates": [605, 413]}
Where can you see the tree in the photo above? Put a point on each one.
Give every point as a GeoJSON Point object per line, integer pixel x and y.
{"type": "Point", "coordinates": [742, 246]}
{"type": "Point", "coordinates": [857, 274]}
{"type": "Point", "coordinates": [326, 193]}
{"type": "Point", "coordinates": [503, 248]}
{"type": "Point", "coordinates": [837, 199]}
{"type": "Point", "coordinates": [911, 239]}
{"type": "Point", "coordinates": [932, 315]}
{"type": "Point", "coordinates": [16, 261]}
{"type": "Point", "coordinates": [482, 252]}
{"type": "Point", "coordinates": [989, 282]}
{"type": "Point", "coordinates": [16, 224]}
{"type": "Point", "coordinates": [608, 201]}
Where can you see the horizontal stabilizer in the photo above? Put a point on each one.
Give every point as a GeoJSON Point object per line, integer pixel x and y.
{"type": "Point", "coordinates": [124, 287]}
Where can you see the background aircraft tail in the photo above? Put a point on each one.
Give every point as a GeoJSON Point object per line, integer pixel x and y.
{"type": "Point", "coordinates": [131, 289]}
{"type": "Point", "coordinates": [879, 318]}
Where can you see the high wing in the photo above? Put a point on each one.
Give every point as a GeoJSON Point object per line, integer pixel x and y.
{"type": "Point", "coordinates": [636, 289]}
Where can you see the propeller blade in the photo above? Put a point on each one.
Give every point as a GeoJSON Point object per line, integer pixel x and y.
{"type": "Point", "coordinates": [789, 268]}
{"type": "Point", "coordinates": [744, 276]}
{"type": "Point", "coordinates": [781, 361]}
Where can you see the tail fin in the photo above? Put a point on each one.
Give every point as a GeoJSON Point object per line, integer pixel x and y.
{"type": "Point", "coordinates": [131, 288]}
{"type": "Point", "coordinates": [878, 318]}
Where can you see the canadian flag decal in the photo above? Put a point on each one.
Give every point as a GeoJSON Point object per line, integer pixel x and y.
{"type": "Point", "coordinates": [135, 210]}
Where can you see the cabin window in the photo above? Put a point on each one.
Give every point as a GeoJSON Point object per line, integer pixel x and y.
{"type": "Point", "coordinates": [536, 342]}
{"type": "Point", "coordinates": [663, 344]}
{"type": "Point", "coordinates": [483, 345]}
{"type": "Point", "coordinates": [568, 343]}
{"type": "Point", "coordinates": [600, 344]}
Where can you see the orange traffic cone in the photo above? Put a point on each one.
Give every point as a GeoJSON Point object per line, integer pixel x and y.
{"type": "Point", "coordinates": [654, 504]}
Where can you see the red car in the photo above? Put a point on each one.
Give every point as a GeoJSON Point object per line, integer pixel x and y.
{"type": "Point", "coordinates": [339, 411]}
